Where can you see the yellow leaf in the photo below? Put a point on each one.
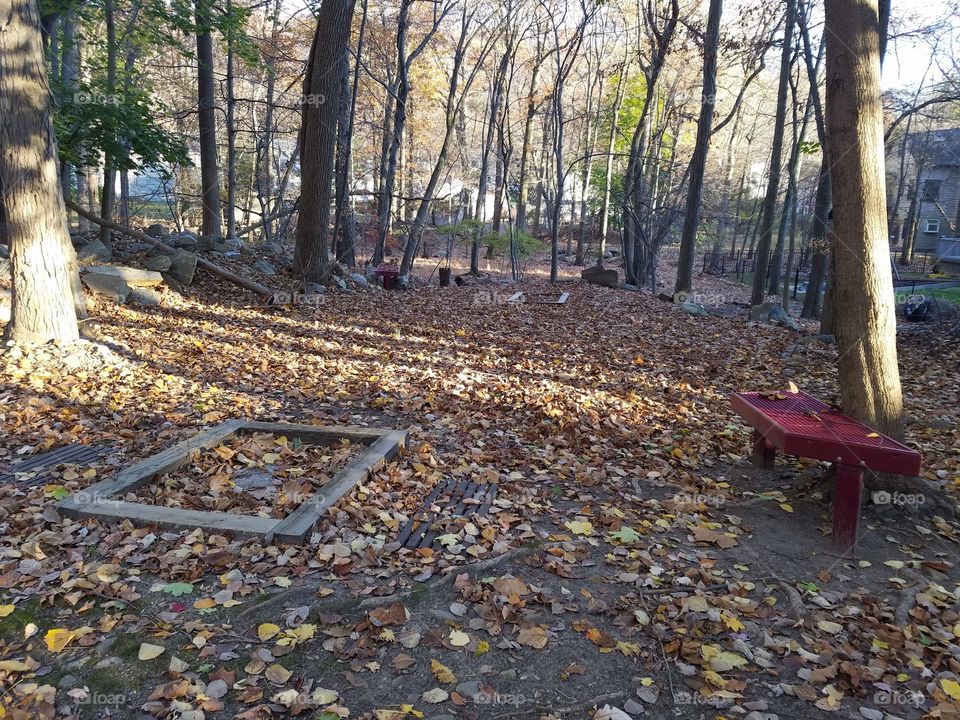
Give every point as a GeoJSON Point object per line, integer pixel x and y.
{"type": "Point", "coordinates": [57, 639]}
{"type": "Point", "coordinates": [874, 435]}
{"type": "Point", "coordinates": [442, 673]}
{"type": "Point", "coordinates": [204, 603]}
{"type": "Point", "coordinates": [951, 688]}
{"type": "Point", "coordinates": [579, 527]}
{"type": "Point", "coordinates": [267, 631]}
{"type": "Point", "coordinates": [149, 652]}
{"type": "Point", "coordinates": [786, 507]}
{"type": "Point", "coordinates": [731, 622]}
{"type": "Point", "coordinates": [458, 638]}
{"type": "Point", "coordinates": [482, 647]}
{"type": "Point", "coordinates": [6, 610]}
{"type": "Point", "coordinates": [14, 666]}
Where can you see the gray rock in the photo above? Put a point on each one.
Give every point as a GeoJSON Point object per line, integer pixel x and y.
{"type": "Point", "coordinates": [68, 682]}
{"type": "Point", "coordinates": [696, 309]}
{"type": "Point", "coordinates": [827, 339]}
{"type": "Point", "coordinates": [95, 251]}
{"type": "Point", "coordinates": [111, 286]}
{"type": "Point", "coordinates": [4, 251]}
{"type": "Point", "coordinates": [340, 282]}
{"type": "Point", "coordinates": [312, 288]}
{"type": "Point", "coordinates": [157, 230]}
{"type": "Point", "coordinates": [605, 277]}
{"type": "Point", "coordinates": [134, 277]}
{"type": "Point", "coordinates": [265, 268]}
{"type": "Point", "coordinates": [359, 279]}
{"type": "Point", "coordinates": [789, 322]}
{"type": "Point", "coordinates": [233, 243]}
{"type": "Point", "coordinates": [273, 248]}
{"type": "Point", "coordinates": [469, 689]}
{"type": "Point", "coordinates": [510, 674]}
{"type": "Point", "coordinates": [138, 247]}
{"type": "Point", "coordinates": [629, 287]}
{"type": "Point", "coordinates": [183, 267]}
{"type": "Point", "coordinates": [144, 296]}
{"type": "Point", "coordinates": [186, 240]}
{"type": "Point", "coordinates": [159, 263]}
{"type": "Point", "coordinates": [767, 312]}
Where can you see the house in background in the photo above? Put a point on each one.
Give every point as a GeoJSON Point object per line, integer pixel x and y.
{"type": "Point", "coordinates": [933, 195]}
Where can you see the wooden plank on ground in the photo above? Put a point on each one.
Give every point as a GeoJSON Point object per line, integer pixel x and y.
{"type": "Point", "coordinates": [167, 517]}
{"type": "Point", "coordinates": [316, 434]}
{"type": "Point", "coordinates": [296, 525]}
{"type": "Point", "coordinates": [144, 471]}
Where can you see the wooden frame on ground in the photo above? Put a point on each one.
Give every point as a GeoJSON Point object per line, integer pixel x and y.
{"type": "Point", "coordinates": [99, 500]}
{"type": "Point", "coordinates": [537, 298]}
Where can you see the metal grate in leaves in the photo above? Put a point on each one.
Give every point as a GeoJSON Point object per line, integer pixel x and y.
{"type": "Point", "coordinates": [29, 471]}
{"type": "Point", "coordinates": [447, 500]}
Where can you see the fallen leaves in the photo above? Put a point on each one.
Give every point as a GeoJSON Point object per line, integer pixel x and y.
{"type": "Point", "coordinates": [149, 652]}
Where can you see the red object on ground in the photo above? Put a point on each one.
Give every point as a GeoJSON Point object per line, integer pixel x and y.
{"type": "Point", "coordinates": [389, 273]}
{"type": "Point", "coordinates": [798, 424]}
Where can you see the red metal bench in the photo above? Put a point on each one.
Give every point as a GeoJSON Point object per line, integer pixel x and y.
{"type": "Point", "coordinates": [797, 424]}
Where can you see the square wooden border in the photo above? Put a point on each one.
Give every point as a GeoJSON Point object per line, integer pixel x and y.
{"type": "Point", "coordinates": [98, 500]}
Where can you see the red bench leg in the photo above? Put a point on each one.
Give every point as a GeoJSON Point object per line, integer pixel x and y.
{"type": "Point", "coordinates": [846, 508]}
{"type": "Point", "coordinates": [764, 455]}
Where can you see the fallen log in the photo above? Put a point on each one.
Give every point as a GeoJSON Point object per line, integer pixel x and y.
{"type": "Point", "coordinates": [143, 237]}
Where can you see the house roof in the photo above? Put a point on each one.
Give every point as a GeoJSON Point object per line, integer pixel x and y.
{"type": "Point", "coordinates": [938, 148]}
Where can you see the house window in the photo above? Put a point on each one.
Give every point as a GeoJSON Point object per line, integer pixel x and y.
{"type": "Point", "coordinates": [931, 226]}
{"type": "Point", "coordinates": [931, 190]}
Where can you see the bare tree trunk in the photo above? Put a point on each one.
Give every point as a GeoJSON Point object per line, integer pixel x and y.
{"type": "Point", "coordinates": [865, 319]}
{"type": "Point", "coordinates": [44, 274]}
{"type": "Point", "coordinates": [207, 119]}
{"type": "Point", "coordinates": [698, 163]}
{"type": "Point", "coordinates": [526, 148]}
{"type": "Point", "coordinates": [231, 129]}
{"type": "Point", "coordinates": [318, 135]}
{"type": "Point", "coordinates": [773, 186]}
{"type": "Point", "coordinates": [108, 195]}
{"type": "Point", "coordinates": [608, 178]}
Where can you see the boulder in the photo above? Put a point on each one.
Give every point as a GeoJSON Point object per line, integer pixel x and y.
{"type": "Point", "coordinates": [629, 287]}
{"type": "Point", "coordinates": [696, 309]}
{"type": "Point", "coordinates": [183, 265]}
{"type": "Point", "coordinates": [138, 247]}
{"type": "Point", "coordinates": [159, 263]}
{"type": "Point", "coordinates": [605, 277]}
{"type": "Point", "coordinates": [4, 251]}
{"type": "Point", "coordinates": [827, 339]}
{"type": "Point", "coordinates": [265, 268]}
{"type": "Point", "coordinates": [359, 279]}
{"type": "Point", "coordinates": [767, 312]}
{"type": "Point", "coordinates": [109, 285]}
{"type": "Point", "coordinates": [272, 248]}
{"type": "Point", "coordinates": [134, 277]}
{"type": "Point", "coordinates": [185, 240]}
{"type": "Point", "coordinates": [226, 245]}
{"type": "Point", "coordinates": [144, 296]}
{"type": "Point", "coordinates": [95, 250]}
{"type": "Point", "coordinates": [312, 288]}
{"type": "Point", "coordinates": [158, 231]}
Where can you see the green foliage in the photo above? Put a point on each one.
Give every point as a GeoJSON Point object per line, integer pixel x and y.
{"type": "Point", "coordinates": [527, 245]}
{"type": "Point", "coordinates": [122, 125]}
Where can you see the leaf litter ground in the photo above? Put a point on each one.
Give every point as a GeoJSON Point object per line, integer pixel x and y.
{"type": "Point", "coordinates": [633, 564]}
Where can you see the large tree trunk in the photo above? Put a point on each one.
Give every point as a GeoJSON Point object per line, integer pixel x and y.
{"type": "Point", "coordinates": [698, 163]}
{"type": "Point", "coordinates": [865, 319]}
{"type": "Point", "coordinates": [318, 135]}
{"type": "Point", "coordinates": [43, 263]}
{"type": "Point", "coordinates": [608, 178]}
{"type": "Point", "coordinates": [773, 185]}
{"type": "Point", "coordinates": [207, 120]}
